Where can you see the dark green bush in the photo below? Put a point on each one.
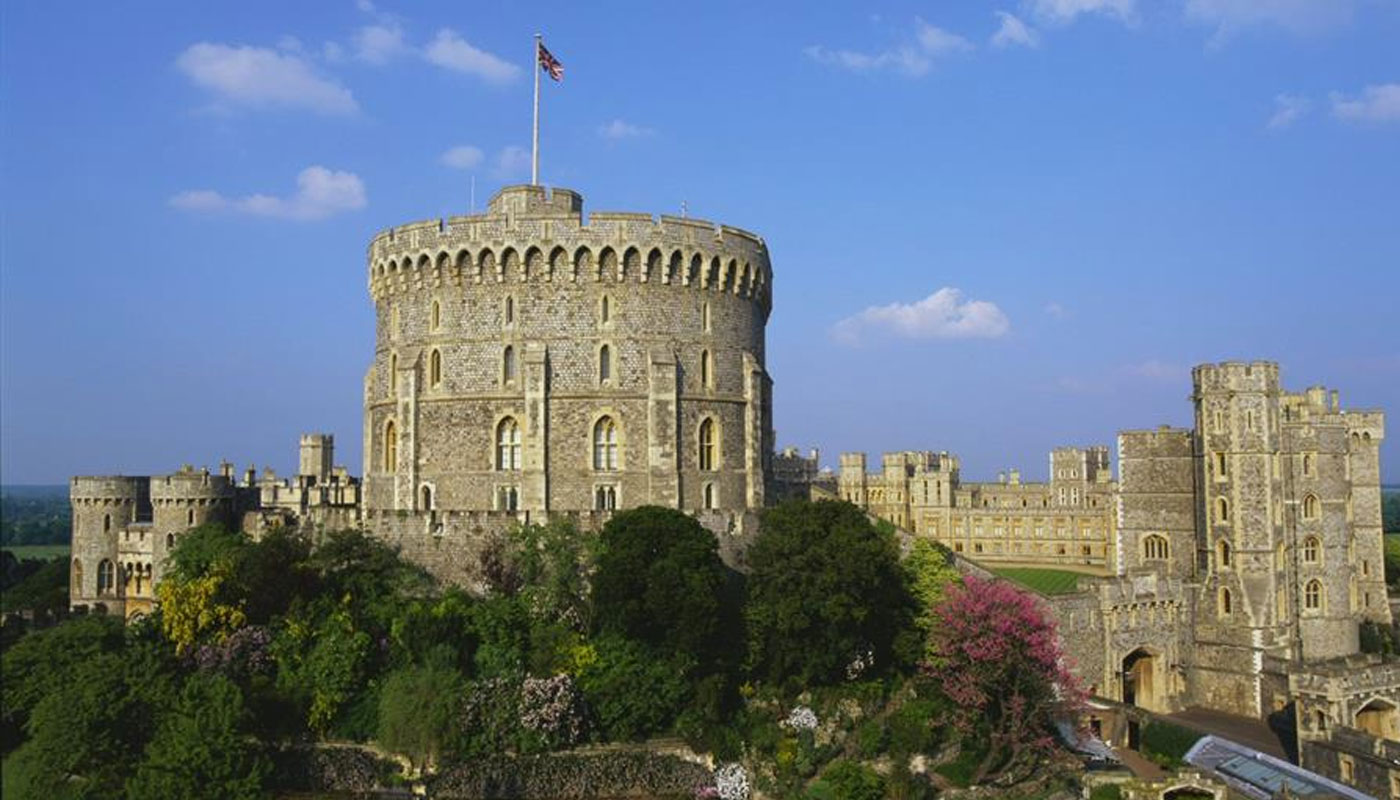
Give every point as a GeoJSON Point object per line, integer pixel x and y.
{"type": "Point", "coordinates": [1166, 743]}
{"type": "Point", "coordinates": [1106, 791]}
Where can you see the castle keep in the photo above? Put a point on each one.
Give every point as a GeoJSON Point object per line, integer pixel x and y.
{"type": "Point", "coordinates": [533, 362]}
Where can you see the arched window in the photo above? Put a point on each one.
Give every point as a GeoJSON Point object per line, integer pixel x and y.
{"type": "Point", "coordinates": [508, 364]}
{"type": "Point", "coordinates": [1226, 606]}
{"type": "Point", "coordinates": [508, 444]}
{"type": "Point", "coordinates": [391, 446]}
{"type": "Point", "coordinates": [106, 577]}
{"type": "Point", "coordinates": [77, 577]}
{"type": "Point", "coordinates": [169, 541]}
{"type": "Point", "coordinates": [1155, 547]}
{"type": "Point", "coordinates": [1222, 510]}
{"type": "Point", "coordinates": [707, 445]}
{"type": "Point", "coordinates": [710, 503]}
{"type": "Point", "coordinates": [605, 444]}
{"type": "Point", "coordinates": [605, 498]}
{"type": "Point", "coordinates": [437, 315]}
{"type": "Point", "coordinates": [1310, 507]}
{"type": "Point", "coordinates": [427, 494]}
{"type": "Point", "coordinates": [604, 364]}
{"type": "Point", "coordinates": [393, 371]}
{"type": "Point", "coordinates": [706, 370]}
{"type": "Point", "coordinates": [1222, 465]}
{"type": "Point", "coordinates": [1224, 550]}
{"type": "Point", "coordinates": [605, 310]}
{"type": "Point", "coordinates": [189, 517]}
{"type": "Point", "coordinates": [435, 368]}
{"type": "Point", "coordinates": [1312, 550]}
{"type": "Point", "coordinates": [106, 523]}
{"type": "Point", "coordinates": [509, 316]}
{"type": "Point", "coordinates": [1307, 464]}
{"type": "Point", "coordinates": [705, 317]}
{"type": "Point", "coordinates": [1312, 595]}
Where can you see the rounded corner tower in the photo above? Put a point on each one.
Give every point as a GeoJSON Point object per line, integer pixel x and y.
{"type": "Point", "coordinates": [529, 359]}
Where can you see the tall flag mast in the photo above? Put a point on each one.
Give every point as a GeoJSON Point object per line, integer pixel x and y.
{"type": "Point", "coordinates": [545, 62]}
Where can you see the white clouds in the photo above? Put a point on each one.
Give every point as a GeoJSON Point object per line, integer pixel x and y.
{"type": "Point", "coordinates": [915, 59]}
{"type": "Point", "coordinates": [1065, 11]}
{"type": "Point", "coordinates": [1288, 109]}
{"type": "Point", "coordinates": [511, 162]}
{"type": "Point", "coordinates": [320, 193]}
{"type": "Point", "coordinates": [621, 129]}
{"type": "Point", "coordinates": [376, 44]}
{"type": "Point", "coordinates": [942, 315]}
{"type": "Point", "coordinates": [937, 42]}
{"type": "Point", "coordinates": [1375, 104]}
{"type": "Point", "coordinates": [450, 51]}
{"type": "Point", "coordinates": [1013, 32]}
{"type": "Point", "coordinates": [1299, 16]}
{"type": "Point", "coordinates": [463, 156]}
{"type": "Point", "coordinates": [256, 77]}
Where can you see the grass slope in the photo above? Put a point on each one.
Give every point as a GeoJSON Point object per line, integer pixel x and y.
{"type": "Point", "coordinates": [42, 552]}
{"type": "Point", "coordinates": [1045, 581]}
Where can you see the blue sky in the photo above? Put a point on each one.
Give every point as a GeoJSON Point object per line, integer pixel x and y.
{"type": "Point", "coordinates": [996, 227]}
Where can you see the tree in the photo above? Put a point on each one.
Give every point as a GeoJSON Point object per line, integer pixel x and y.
{"type": "Point", "coordinates": [931, 572]}
{"type": "Point", "coordinates": [323, 661]}
{"type": "Point", "coordinates": [43, 662]}
{"type": "Point", "coordinates": [660, 581]}
{"type": "Point", "coordinates": [827, 595]}
{"type": "Point", "coordinates": [416, 711]}
{"type": "Point", "coordinates": [200, 750]}
{"type": "Point", "coordinates": [996, 656]}
{"type": "Point", "coordinates": [192, 611]}
{"type": "Point", "coordinates": [633, 689]}
{"type": "Point", "coordinates": [86, 733]}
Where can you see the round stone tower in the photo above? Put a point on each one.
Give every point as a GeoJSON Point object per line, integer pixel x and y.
{"type": "Point", "coordinates": [532, 359]}
{"type": "Point", "coordinates": [105, 509]}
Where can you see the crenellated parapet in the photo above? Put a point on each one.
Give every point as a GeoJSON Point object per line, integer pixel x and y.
{"type": "Point", "coordinates": [528, 235]}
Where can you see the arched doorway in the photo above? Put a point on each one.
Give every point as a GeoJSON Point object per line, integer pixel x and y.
{"type": "Point", "coordinates": [1141, 684]}
{"type": "Point", "coordinates": [1378, 718]}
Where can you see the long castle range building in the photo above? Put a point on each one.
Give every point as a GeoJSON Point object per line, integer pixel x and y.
{"type": "Point", "coordinates": [532, 362]}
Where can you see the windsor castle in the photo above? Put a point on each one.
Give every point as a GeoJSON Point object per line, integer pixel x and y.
{"type": "Point", "coordinates": [534, 363]}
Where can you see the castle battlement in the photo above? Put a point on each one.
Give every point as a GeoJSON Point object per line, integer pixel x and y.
{"type": "Point", "coordinates": [556, 243]}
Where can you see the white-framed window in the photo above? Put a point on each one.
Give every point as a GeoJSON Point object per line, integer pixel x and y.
{"type": "Point", "coordinates": [1310, 507]}
{"type": "Point", "coordinates": [508, 444]}
{"type": "Point", "coordinates": [605, 444]}
{"type": "Point", "coordinates": [707, 446]}
{"type": "Point", "coordinates": [508, 365]}
{"type": "Point", "coordinates": [507, 498]}
{"type": "Point", "coordinates": [605, 498]}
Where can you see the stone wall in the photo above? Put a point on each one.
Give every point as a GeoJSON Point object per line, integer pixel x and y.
{"type": "Point", "coordinates": [534, 315]}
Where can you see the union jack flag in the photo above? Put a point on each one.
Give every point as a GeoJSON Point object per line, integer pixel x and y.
{"type": "Point", "coordinates": [550, 64]}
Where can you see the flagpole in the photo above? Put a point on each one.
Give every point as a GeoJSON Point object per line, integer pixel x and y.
{"type": "Point", "coordinates": [535, 138]}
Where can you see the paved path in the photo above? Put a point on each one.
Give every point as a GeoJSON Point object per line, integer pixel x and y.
{"type": "Point", "coordinates": [1247, 731]}
{"type": "Point", "coordinates": [1139, 765]}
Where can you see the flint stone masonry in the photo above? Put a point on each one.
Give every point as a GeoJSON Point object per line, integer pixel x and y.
{"type": "Point", "coordinates": [534, 315]}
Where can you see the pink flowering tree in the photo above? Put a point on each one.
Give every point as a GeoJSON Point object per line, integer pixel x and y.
{"type": "Point", "coordinates": [995, 654]}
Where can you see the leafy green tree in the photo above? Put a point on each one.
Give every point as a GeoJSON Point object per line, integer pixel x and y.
{"type": "Point", "coordinates": [323, 661]}
{"type": "Point", "coordinates": [43, 662]}
{"type": "Point", "coordinates": [847, 780]}
{"type": "Point", "coordinates": [200, 750]}
{"type": "Point", "coordinates": [660, 581]}
{"type": "Point", "coordinates": [827, 595]}
{"type": "Point", "coordinates": [43, 589]}
{"type": "Point", "coordinates": [86, 734]}
{"type": "Point", "coordinates": [633, 689]}
{"type": "Point", "coordinates": [416, 711]}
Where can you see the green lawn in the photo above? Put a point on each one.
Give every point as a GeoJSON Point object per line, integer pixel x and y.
{"type": "Point", "coordinates": [1045, 581]}
{"type": "Point", "coordinates": [40, 551]}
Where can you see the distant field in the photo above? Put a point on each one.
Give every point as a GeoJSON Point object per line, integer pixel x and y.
{"type": "Point", "coordinates": [1045, 581]}
{"type": "Point", "coordinates": [39, 551]}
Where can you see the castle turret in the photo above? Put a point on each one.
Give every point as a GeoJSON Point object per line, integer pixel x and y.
{"type": "Point", "coordinates": [105, 511]}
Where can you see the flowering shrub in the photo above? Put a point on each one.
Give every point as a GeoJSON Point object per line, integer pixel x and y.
{"type": "Point", "coordinates": [997, 658]}
{"type": "Point", "coordinates": [732, 782]}
{"type": "Point", "coordinates": [553, 708]}
{"type": "Point", "coordinates": [801, 718]}
{"type": "Point", "coordinates": [247, 652]}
